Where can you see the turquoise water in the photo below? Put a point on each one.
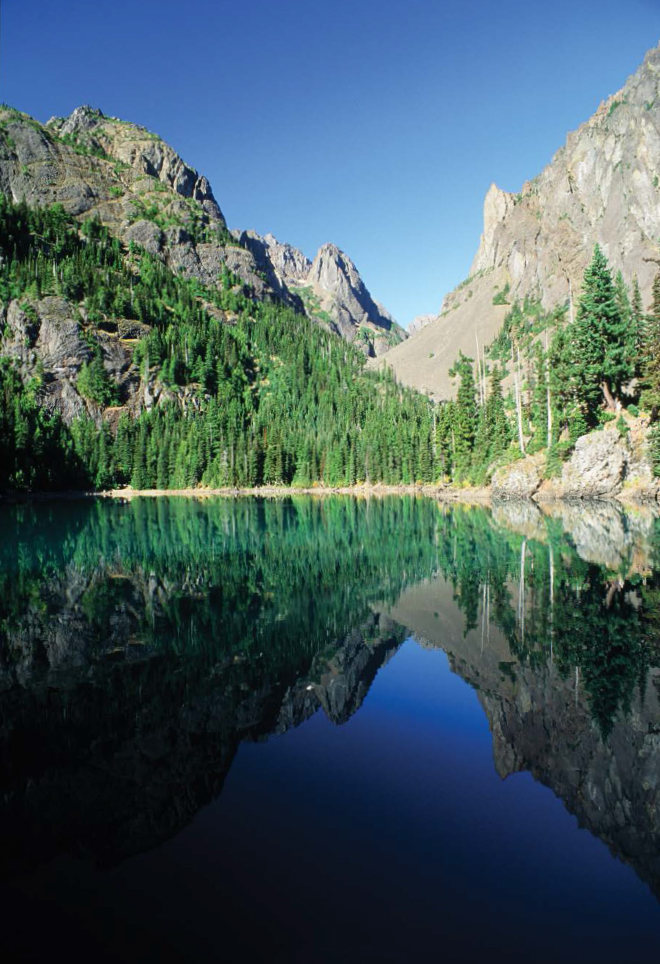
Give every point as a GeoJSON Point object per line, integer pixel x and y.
{"type": "Point", "coordinates": [329, 729]}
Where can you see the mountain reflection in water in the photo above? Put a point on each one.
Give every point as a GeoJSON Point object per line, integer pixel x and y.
{"type": "Point", "coordinates": [142, 643]}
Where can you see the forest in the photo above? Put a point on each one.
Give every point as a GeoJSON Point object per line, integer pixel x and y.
{"type": "Point", "coordinates": [253, 393]}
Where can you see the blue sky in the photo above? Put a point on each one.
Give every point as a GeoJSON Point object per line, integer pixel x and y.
{"type": "Point", "coordinates": [378, 126]}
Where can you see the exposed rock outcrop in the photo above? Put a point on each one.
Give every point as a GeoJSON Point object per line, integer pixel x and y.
{"type": "Point", "coordinates": [604, 464]}
{"type": "Point", "coordinates": [330, 288]}
{"type": "Point", "coordinates": [519, 480]}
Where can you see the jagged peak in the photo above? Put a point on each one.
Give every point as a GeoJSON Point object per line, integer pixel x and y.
{"type": "Point", "coordinates": [330, 250]}
{"type": "Point", "coordinates": [329, 257]}
{"type": "Point", "coordinates": [331, 264]}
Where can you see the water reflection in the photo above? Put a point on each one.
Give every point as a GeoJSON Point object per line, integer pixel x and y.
{"type": "Point", "coordinates": [141, 643]}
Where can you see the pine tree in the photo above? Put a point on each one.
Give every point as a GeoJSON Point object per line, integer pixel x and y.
{"type": "Point", "coordinates": [466, 417]}
{"type": "Point", "coordinates": [139, 475]}
{"type": "Point", "coordinates": [651, 354]}
{"type": "Point", "coordinates": [600, 357]}
{"type": "Point", "coordinates": [498, 427]}
{"type": "Point", "coordinates": [637, 328]}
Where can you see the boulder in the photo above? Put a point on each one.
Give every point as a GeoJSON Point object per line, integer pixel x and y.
{"type": "Point", "coordinates": [519, 480]}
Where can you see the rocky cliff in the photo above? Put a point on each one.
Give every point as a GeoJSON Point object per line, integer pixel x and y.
{"type": "Point", "coordinates": [139, 187]}
{"type": "Point", "coordinates": [331, 289]}
{"type": "Point", "coordinates": [601, 186]}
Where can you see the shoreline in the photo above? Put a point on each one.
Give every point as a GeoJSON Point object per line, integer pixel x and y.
{"type": "Point", "coordinates": [441, 493]}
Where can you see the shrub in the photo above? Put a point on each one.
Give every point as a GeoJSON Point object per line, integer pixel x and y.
{"type": "Point", "coordinates": [500, 296]}
{"type": "Point", "coordinates": [622, 426]}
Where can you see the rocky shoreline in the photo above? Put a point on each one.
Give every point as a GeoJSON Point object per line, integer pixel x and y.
{"type": "Point", "coordinates": [605, 464]}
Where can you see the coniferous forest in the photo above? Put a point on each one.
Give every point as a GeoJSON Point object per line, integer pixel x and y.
{"type": "Point", "coordinates": [268, 397]}
{"type": "Point", "coordinates": [253, 393]}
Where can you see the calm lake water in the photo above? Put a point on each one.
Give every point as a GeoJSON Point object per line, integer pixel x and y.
{"type": "Point", "coordinates": [329, 730]}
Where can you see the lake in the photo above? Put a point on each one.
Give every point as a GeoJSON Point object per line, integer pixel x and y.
{"type": "Point", "coordinates": [329, 729]}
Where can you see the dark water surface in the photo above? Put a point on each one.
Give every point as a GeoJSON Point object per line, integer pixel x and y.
{"type": "Point", "coordinates": [329, 730]}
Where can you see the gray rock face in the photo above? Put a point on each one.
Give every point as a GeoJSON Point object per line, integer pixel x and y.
{"type": "Point", "coordinates": [147, 234]}
{"type": "Point", "coordinates": [330, 289]}
{"type": "Point", "coordinates": [597, 466]}
{"type": "Point", "coordinates": [602, 186]}
{"type": "Point", "coordinates": [132, 181]}
{"type": "Point", "coordinates": [289, 264]}
{"type": "Point", "coordinates": [342, 294]}
{"type": "Point", "coordinates": [141, 150]}
{"type": "Point", "coordinates": [419, 322]}
{"type": "Point", "coordinates": [282, 265]}
{"type": "Point", "coordinates": [604, 464]}
{"type": "Point", "coordinates": [46, 340]}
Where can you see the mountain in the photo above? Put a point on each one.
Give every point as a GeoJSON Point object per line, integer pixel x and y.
{"type": "Point", "coordinates": [116, 369]}
{"type": "Point", "coordinates": [331, 290]}
{"type": "Point", "coordinates": [602, 186]}
{"type": "Point", "coordinates": [419, 322]}
{"type": "Point", "coordinates": [139, 187]}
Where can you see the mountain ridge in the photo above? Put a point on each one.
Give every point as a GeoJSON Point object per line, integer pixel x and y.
{"type": "Point", "coordinates": [144, 192]}
{"type": "Point", "coordinates": [602, 186]}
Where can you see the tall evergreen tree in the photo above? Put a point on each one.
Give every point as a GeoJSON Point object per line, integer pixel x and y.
{"type": "Point", "coordinates": [465, 428]}
{"type": "Point", "coordinates": [497, 423]}
{"type": "Point", "coordinates": [651, 353]}
{"type": "Point", "coordinates": [600, 359]}
{"type": "Point", "coordinates": [637, 328]}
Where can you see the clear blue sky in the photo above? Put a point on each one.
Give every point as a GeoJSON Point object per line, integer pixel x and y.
{"type": "Point", "coordinates": [376, 125]}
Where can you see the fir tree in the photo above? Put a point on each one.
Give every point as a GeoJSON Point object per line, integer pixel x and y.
{"type": "Point", "coordinates": [600, 359]}
{"type": "Point", "coordinates": [651, 353]}
{"type": "Point", "coordinates": [497, 423]}
{"type": "Point", "coordinates": [637, 328]}
{"type": "Point", "coordinates": [465, 428]}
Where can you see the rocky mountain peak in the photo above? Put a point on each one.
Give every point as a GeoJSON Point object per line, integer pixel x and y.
{"type": "Point", "coordinates": [335, 279]}
{"type": "Point", "coordinates": [88, 128]}
{"type": "Point", "coordinates": [80, 120]}
{"type": "Point", "coordinates": [290, 263]}
{"type": "Point", "coordinates": [329, 288]}
{"type": "Point", "coordinates": [333, 268]}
